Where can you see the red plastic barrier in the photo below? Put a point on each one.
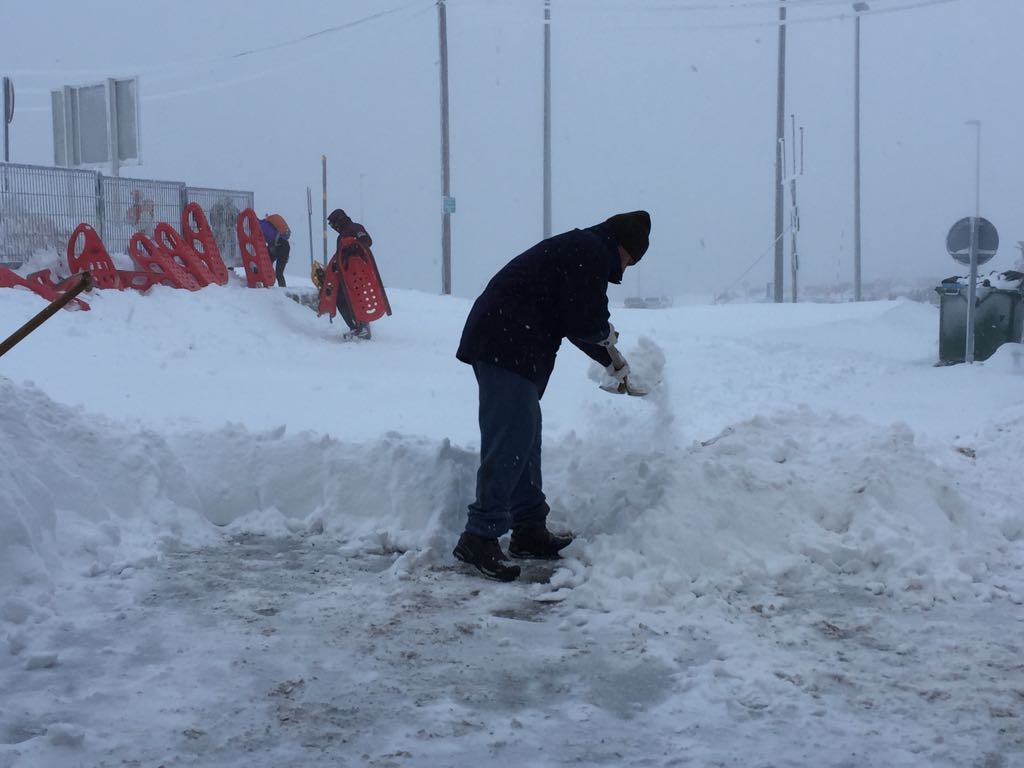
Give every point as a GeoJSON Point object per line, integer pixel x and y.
{"type": "Point", "coordinates": [199, 236]}
{"type": "Point", "coordinates": [159, 264]}
{"type": "Point", "coordinates": [259, 271]}
{"type": "Point", "coordinates": [93, 257]}
{"type": "Point", "coordinates": [332, 280]}
{"type": "Point", "coordinates": [362, 280]}
{"type": "Point", "coordinates": [40, 283]}
{"type": "Point", "coordinates": [355, 268]}
{"type": "Point", "coordinates": [167, 237]}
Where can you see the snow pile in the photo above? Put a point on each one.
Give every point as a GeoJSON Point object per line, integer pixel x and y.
{"type": "Point", "coordinates": [788, 501]}
{"type": "Point", "coordinates": [792, 495]}
{"type": "Point", "coordinates": [209, 505]}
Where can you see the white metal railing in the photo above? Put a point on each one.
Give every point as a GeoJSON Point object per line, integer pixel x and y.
{"type": "Point", "coordinates": [41, 205]}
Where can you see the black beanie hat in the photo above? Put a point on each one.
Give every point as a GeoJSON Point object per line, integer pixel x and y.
{"type": "Point", "coordinates": [632, 231]}
{"type": "Point", "coordinates": [338, 218]}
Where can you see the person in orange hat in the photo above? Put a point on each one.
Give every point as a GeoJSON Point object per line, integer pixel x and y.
{"type": "Point", "coordinates": [276, 233]}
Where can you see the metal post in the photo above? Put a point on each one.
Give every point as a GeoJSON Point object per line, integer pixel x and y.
{"type": "Point", "coordinates": [446, 217]}
{"type": "Point", "coordinates": [7, 114]}
{"type": "Point", "coordinates": [309, 213]}
{"type": "Point", "coordinates": [794, 215]}
{"type": "Point", "coordinates": [101, 206]}
{"type": "Point", "coordinates": [972, 287]}
{"type": "Point", "coordinates": [323, 195]}
{"type": "Point", "coordinates": [972, 292]}
{"type": "Point", "coordinates": [115, 158]}
{"type": "Point", "coordinates": [547, 119]}
{"type": "Point", "coordinates": [977, 166]}
{"type": "Point", "coordinates": [780, 127]}
{"type": "Point", "coordinates": [858, 8]}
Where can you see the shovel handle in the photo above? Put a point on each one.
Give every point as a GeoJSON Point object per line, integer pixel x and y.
{"type": "Point", "coordinates": [84, 283]}
{"type": "Point", "coordinates": [617, 359]}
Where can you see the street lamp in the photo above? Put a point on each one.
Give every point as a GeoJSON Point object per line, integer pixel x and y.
{"type": "Point", "coordinates": [858, 7]}
{"type": "Point", "coordinates": [977, 166]}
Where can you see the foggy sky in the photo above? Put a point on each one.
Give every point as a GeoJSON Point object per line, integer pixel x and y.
{"type": "Point", "coordinates": [656, 105]}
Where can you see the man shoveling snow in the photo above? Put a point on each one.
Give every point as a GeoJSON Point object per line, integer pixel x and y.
{"type": "Point", "coordinates": [557, 289]}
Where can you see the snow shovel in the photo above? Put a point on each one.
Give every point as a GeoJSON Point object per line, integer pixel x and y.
{"type": "Point", "coordinates": [624, 387]}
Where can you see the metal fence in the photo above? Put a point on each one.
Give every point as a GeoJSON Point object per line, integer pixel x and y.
{"type": "Point", "coordinates": [222, 207]}
{"type": "Point", "coordinates": [40, 206]}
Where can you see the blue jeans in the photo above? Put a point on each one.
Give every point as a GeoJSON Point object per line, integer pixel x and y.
{"type": "Point", "coordinates": [508, 484]}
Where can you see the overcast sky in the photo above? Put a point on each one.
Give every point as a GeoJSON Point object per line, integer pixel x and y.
{"type": "Point", "coordinates": [667, 105]}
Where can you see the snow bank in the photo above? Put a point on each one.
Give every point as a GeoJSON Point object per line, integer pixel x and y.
{"type": "Point", "coordinates": [785, 502]}
{"type": "Point", "coordinates": [790, 502]}
{"type": "Point", "coordinates": [796, 493]}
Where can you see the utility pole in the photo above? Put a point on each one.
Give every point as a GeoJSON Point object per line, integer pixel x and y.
{"type": "Point", "coordinates": [547, 119]}
{"type": "Point", "coordinates": [780, 128]}
{"type": "Point", "coordinates": [447, 204]}
{"type": "Point", "coordinates": [858, 7]}
{"type": "Point", "coordinates": [794, 213]}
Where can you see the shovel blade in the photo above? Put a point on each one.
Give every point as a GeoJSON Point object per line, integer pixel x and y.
{"type": "Point", "coordinates": [625, 388]}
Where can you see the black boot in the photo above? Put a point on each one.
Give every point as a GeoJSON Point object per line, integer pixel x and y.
{"type": "Point", "coordinates": [486, 556]}
{"type": "Point", "coordinates": [538, 542]}
{"type": "Point", "coordinates": [360, 332]}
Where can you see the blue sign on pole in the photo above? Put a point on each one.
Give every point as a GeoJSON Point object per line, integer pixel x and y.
{"type": "Point", "coordinates": [958, 241]}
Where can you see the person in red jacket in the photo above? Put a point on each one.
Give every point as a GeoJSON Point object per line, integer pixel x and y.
{"type": "Point", "coordinates": [346, 228]}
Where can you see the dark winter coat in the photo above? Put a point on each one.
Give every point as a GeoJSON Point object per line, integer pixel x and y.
{"type": "Point", "coordinates": [349, 230]}
{"type": "Point", "coordinates": [358, 231]}
{"type": "Point", "coordinates": [557, 289]}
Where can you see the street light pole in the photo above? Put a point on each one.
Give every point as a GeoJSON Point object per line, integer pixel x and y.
{"type": "Point", "coordinates": [977, 167]}
{"type": "Point", "coordinates": [446, 189]}
{"type": "Point", "coordinates": [780, 128]}
{"type": "Point", "coordinates": [546, 225]}
{"type": "Point", "coordinates": [858, 8]}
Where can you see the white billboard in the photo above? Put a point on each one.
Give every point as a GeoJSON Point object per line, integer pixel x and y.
{"type": "Point", "coordinates": [97, 124]}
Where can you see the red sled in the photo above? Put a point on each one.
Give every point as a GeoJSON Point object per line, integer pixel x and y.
{"type": "Point", "coordinates": [259, 271]}
{"type": "Point", "coordinates": [92, 257]}
{"type": "Point", "coordinates": [157, 265]}
{"type": "Point", "coordinates": [199, 236]}
{"type": "Point", "coordinates": [354, 270]}
{"type": "Point", "coordinates": [40, 283]}
{"type": "Point", "coordinates": [181, 252]}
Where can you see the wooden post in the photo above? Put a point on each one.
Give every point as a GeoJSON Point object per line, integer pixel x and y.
{"type": "Point", "coordinates": [84, 283]}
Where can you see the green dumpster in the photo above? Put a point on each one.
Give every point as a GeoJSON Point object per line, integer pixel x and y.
{"type": "Point", "coordinates": [998, 316]}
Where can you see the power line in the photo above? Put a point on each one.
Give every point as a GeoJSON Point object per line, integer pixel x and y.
{"type": "Point", "coordinates": [325, 31]}
{"type": "Point", "coordinates": [176, 66]}
{"type": "Point", "coordinates": [575, 6]}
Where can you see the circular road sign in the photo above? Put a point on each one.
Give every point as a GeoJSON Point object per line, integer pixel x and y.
{"type": "Point", "coordinates": [958, 241]}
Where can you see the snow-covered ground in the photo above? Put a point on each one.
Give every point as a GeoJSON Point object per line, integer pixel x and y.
{"type": "Point", "coordinates": [225, 540]}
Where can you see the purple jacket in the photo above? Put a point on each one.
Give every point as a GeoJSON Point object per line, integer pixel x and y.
{"type": "Point", "coordinates": [270, 232]}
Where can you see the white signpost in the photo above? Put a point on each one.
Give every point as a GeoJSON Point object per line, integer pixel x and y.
{"type": "Point", "coordinates": [97, 124]}
{"type": "Point", "coordinates": [972, 241]}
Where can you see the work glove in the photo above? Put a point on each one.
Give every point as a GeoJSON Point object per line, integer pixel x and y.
{"type": "Point", "coordinates": [613, 336]}
{"type": "Point", "coordinates": [619, 374]}
{"type": "Point", "coordinates": [349, 251]}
